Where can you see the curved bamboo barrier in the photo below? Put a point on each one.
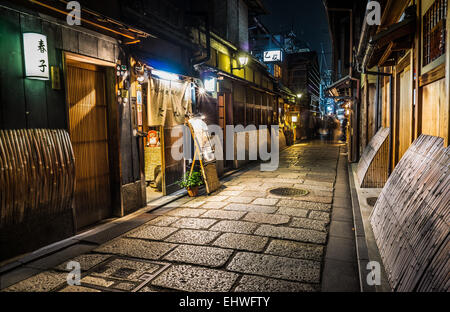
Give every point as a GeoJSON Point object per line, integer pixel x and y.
{"type": "Point", "coordinates": [372, 170]}
{"type": "Point", "coordinates": [37, 174]}
{"type": "Point", "coordinates": [411, 219]}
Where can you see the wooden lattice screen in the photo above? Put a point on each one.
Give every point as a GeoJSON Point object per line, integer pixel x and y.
{"type": "Point", "coordinates": [434, 31]}
{"type": "Point", "coordinates": [411, 219]}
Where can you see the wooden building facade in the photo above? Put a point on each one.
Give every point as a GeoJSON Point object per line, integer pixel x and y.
{"type": "Point", "coordinates": [409, 49]}
{"type": "Point", "coordinates": [88, 111]}
{"type": "Point", "coordinates": [397, 97]}
{"type": "Point", "coordinates": [93, 115]}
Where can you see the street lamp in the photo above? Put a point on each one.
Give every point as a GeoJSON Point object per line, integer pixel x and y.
{"type": "Point", "coordinates": [299, 95]}
{"type": "Point", "coordinates": [243, 61]}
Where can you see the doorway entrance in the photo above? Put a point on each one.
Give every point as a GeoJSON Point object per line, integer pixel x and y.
{"type": "Point", "coordinates": [88, 128]}
{"type": "Point", "coordinates": [153, 154]}
{"type": "Point", "coordinates": [403, 131]}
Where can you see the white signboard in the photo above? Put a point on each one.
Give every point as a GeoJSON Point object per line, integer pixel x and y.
{"type": "Point", "coordinates": [36, 56]}
{"type": "Point", "coordinates": [210, 84]}
{"type": "Point", "coordinates": [202, 136]}
{"type": "Point", "coordinates": [273, 56]}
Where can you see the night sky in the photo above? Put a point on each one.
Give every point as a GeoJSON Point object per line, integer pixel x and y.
{"type": "Point", "coordinates": [308, 17]}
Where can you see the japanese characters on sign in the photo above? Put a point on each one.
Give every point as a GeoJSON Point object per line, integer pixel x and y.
{"type": "Point", "coordinates": [273, 56]}
{"type": "Point", "coordinates": [36, 56]}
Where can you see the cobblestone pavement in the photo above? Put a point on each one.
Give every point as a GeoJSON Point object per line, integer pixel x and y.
{"type": "Point", "coordinates": [241, 238]}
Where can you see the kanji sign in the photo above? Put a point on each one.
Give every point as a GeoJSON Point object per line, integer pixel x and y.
{"type": "Point", "coordinates": [36, 56]}
{"type": "Point", "coordinates": [273, 56]}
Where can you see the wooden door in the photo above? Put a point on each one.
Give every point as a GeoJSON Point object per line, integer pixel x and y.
{"type": "Point", "coordinates": [404, 131]}
{"type": "Point", "coordinates": [225, 117]}
{"type": "Point", "coordinates": [89, 135]}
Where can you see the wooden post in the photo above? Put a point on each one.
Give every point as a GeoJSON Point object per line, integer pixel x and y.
{"type": "Point", "coordinates": [417, 68]}
{"type": "Point", "coordinates": [445, 123]}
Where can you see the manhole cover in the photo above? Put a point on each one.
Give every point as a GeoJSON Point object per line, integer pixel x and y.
{"type": "Point", "coordinates": [289, 191]}
{"type": "Point", "coordinates": [371, 201]}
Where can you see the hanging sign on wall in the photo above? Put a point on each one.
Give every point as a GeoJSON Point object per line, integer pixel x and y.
{"type": "Point", "coordinates": [35, 56]}
{"type": "Point", "coordinates": [273, 56]}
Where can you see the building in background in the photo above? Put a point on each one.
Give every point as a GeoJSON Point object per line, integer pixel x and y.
{"type": "Point", "coordinates": [296, 70]}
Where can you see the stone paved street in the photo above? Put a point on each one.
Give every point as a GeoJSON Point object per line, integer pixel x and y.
{"type": "Point", "coordinates": [241, 238]}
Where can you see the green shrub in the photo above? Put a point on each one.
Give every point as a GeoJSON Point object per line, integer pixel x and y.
{"type": "Point", "coordinates": [191, 181]}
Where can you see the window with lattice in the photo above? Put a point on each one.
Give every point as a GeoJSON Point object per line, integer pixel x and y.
{"type": "Point", "coordinates": [277, 71]}
{"type": "Point", "coordinates": [434, 31]}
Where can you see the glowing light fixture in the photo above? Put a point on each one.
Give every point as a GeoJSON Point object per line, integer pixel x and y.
{"type": "Point", "coordinates": [294, 118]}
{"type": "Point", "coordinates": [201, 91]}
{"type": "Point", "coordinates": [299, 95]}
{"type": "Point", "coordinates": [165, 75]}
{"type": "Point", "coordinates": [243, 59]}
{"type": "Point", "coordinates": [210, 84]}
{"type": "Point", "coordinates": [35, 56]}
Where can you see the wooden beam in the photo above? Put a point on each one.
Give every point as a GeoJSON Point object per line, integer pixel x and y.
{"type": "Point", "coordinates": [388, 63]}
{"type": "Point", "coordinates": [387, 53]}
{"type": "Point", "coordinates": [445, 122]}
{"type": "Point", "coordinates": [392, 12]}
{"type": "Point", "coordinates": [418, 70]}
{"type": "Point", "coordinates": [433, 75]}
{"type": "Point", "coordinates": [401, 44]}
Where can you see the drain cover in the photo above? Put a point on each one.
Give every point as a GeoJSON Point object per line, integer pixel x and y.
{"type": "Point", "coordinates": [289, 191]}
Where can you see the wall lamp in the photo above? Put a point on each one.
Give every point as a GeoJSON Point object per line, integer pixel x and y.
{"type": "Point", "coordinates": [243, 61]}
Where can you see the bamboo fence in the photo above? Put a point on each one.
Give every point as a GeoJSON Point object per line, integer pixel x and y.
{"type": "Point", "coordinates": [372, 169]}
{"type": "Point", "coordinates": [411, 219]}
{"type": "Point", "coordinates": [37, 174]}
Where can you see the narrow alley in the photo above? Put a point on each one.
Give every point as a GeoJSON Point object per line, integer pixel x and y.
{"type": "Point", "coordinates": [262, 231]}
{"type": "Point", "coordinates": [276, 150]}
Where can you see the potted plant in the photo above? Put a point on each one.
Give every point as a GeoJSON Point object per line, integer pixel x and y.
{"type": "Point", "coordinates": [191, 183]}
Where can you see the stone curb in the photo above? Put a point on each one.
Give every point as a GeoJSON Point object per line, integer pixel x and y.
{"type": "Point", "coordinates": [360, 236]}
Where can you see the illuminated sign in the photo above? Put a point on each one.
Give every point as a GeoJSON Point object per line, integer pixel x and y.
{"type": "Point", "coordinates": [36, 56]}
{"type": "Point", "coordinates": [273, 56]}
{"type": "Point", "coordinates": [210, 84]}
{"type": "Point", "coordinates": [165, 75]}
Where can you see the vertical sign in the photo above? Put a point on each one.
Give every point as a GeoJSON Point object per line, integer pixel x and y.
{"type": "Point", "coordinates": [139, 105]}
{"type": "Point", "coordinates": [36, 56]}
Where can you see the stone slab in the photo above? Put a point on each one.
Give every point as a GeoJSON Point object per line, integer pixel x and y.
{"type": "Point", "coordinates": [235, 227]}
{"type": "Point", "coordinates": [295, 250]}
{"type": "Point", "coordinates": [195, 279]}
{"type": "Point", "coordinates": [196, 237]}
{"type": "Point", "coordinates": [301, 235]}
{"type": "Point", "coordinates": [276, 267]}
{"type": "Point", "coordinates": [275, 219]}
{"type": "Point", "coordinates": [241, 242]}
{"type": "Point", "coordinates": [136, 248]}
{"type": "Point", "coordinates": [201, 255]}
{"type": "Point", "coordinates": [152, 232]}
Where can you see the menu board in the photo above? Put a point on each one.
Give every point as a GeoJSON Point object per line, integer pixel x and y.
{"type": "Point", "coordinates": [205, 152]}
{"type": "Point", "coordinates": [203, 139]}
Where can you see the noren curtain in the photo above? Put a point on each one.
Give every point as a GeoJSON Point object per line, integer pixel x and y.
{"type": "Point", "coordinates": [168, 102]}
